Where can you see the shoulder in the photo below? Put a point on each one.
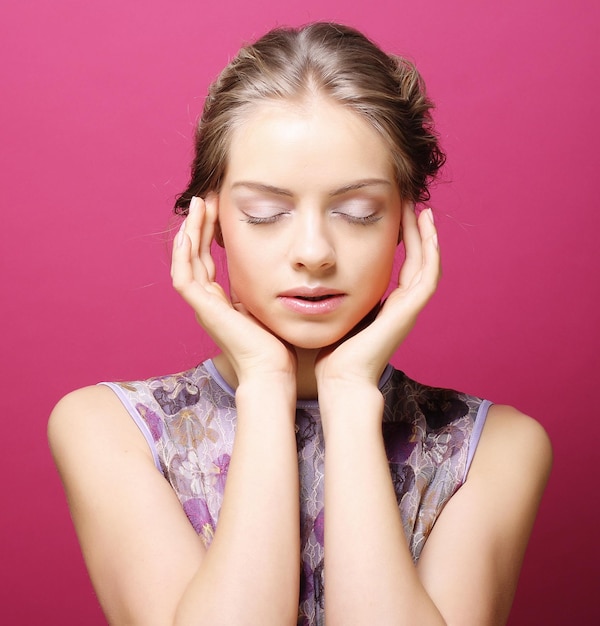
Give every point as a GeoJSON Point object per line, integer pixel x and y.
{"type": "Point", "coordinates": [81, 407]}
{"type": "Point", "coordinates": [508, 477]}
{"type": "Point", "coordinates": [167, 395]}
{"type": "Point", "coordinates": [516, 445]}
{"type": "Point", "coordinates": [109, 418]}
{"type": "Point", "coordinates": [88, 421]}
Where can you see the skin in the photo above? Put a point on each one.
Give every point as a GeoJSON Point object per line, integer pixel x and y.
{"type": "Point", "coordinates": [328, 173]}
{"type": "Point", "coordinates": [301, 180]}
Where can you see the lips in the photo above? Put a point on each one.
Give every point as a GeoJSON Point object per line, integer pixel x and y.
{"type": "Point", "coordinates": [311, 293]}
{"type": "Point", "coordinates": [312, 300]}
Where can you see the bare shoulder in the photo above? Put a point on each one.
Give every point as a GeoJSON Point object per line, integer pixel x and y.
{"type": "Point", "coordinates": [507, 478]}
{"type": "Point", "coordinates": [82, 405]}
{"type": "Point", "coordinates": [90, 412]}
{"type": "Point", "coordinates": [514, 443]}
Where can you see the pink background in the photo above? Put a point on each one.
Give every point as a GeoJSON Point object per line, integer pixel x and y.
{"type": "Point", "coordinates": [97, 109]}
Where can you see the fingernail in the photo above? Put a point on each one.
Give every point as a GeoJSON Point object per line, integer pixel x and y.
{"type": "Point", "coordinates": [192, 203]}
{"type": "Point", "coordinates": [430, 213]}
{"type": "Point", "coordinates": [436, 243]}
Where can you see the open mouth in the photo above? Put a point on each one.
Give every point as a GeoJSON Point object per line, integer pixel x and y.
{"type": "Point", "coordinates": [312, 303]}
{"type": "Point", "coordinates": [313, 298]}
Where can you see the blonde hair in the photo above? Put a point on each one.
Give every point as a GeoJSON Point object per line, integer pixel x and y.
{"type": "Point", "coordinates": [330, 60]}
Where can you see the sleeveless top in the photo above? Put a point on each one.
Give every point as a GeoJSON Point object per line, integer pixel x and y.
{"type": "Point", "coordinates": [188, 420]}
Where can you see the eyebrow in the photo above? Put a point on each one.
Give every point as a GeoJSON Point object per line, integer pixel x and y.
{"type": "Point", "coordinates": [278, 191]}
{"type": "Point", "coordinates": [360, 184]}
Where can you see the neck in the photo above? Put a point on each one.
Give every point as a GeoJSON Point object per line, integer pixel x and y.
{"type": "Point", "coordinates": [306, 381]}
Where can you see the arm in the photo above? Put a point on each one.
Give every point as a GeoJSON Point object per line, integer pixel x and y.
{"type": "Point", "coordinates": [468, 570]}
{"type": "Point", "coordinates": [370, 577]}
{"type": "Point", "coordinates": [144, 558]}
{"type": "Point", "coordinates": [250, 574]}
{"type": "Point", "coordinates": [137, 543]}
{"type": "Point", "coordinates": [460, 578]}
{"type": "Point", "coordinates": [471, 562]}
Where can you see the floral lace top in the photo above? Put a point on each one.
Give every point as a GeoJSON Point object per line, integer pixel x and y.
{"type": "Point", "coordinates": [189, 422]}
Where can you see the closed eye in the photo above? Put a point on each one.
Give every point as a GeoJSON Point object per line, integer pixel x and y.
{"type": "Point", "coordinates": [361, 211]}
{"type": "Point", "coordinates": [363, 220]}
{"type": "Point", "coordinates": [266, 219]}
{"type": "Point", "coordinates": [358, 214]}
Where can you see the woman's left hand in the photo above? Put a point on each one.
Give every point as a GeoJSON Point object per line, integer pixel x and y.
{"type": "Point", "coordinates": [363, 356]}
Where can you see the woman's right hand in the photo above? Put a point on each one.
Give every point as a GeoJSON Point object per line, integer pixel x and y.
{"type": "Point", "coordinates": [249, 347]}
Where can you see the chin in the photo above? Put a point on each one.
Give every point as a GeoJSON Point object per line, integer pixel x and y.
{"type": "Point", "coordinates": [315, 335]}
{"type": "Point", "coordinates": [314, 340]}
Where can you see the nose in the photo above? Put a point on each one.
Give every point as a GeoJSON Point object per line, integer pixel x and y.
{"type": "Point", "coordinates": [312, 247]}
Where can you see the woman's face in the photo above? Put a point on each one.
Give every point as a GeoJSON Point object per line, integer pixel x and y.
{"type": "Point", "coordinates": [310, 214]}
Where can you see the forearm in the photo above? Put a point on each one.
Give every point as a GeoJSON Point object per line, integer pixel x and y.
{"type": "Point", "coordinates": [370, 577]}
{"type": "Point", "coordinates": [251, 570]}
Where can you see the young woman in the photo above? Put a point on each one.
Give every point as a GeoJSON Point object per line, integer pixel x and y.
{"type": "Point", "coordinates": [297, 477]}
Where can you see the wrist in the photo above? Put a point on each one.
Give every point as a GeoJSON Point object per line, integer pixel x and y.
{"type": "Point", "coordinates": [348, 393]}
{"type": "Point", "coordinates": [275, 381]}
{"type": "Point", "coordinates": [255, 378]}
{"type": "Point", "coordinates": [276, 390]}
{"type": "Point", "coordinates": [351, 409]}
{"type": "Point", "coordinates": [347, 380]}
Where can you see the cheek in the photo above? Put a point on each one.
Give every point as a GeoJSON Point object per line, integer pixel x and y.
{"type": "Point", "coordinates": [383, 270]}
{"type": "Point", "coordinates": [240, 285]}
{"type": "Point", "coordinates": [381, 258]}
{"type": "Point", "coordinates": [246, 268]}
{"type": "Point", "coordinates": [238, 268]}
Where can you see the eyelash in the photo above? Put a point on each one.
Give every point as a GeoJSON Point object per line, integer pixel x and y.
{"type": "Point", "coordinates": [361, 221]}
{"type": "Point", "coordinates": [352, 219]}
{"type": "Point", "coordinates": [251, 219]}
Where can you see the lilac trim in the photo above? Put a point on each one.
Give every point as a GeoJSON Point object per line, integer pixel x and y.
{"type": "Point", "coordinates": [214, 372]}
{"type": "Point", "coordinates": [387, 373]}
{"type": "Point", "coordinates": [480, 419]}
{"type": "Point", "coordinates": [307, 405]}
{"type": "Point", "coordinates": [137, 418]}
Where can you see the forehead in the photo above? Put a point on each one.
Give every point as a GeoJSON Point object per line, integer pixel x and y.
{"type": "Point", "coordinates": [315, 142]}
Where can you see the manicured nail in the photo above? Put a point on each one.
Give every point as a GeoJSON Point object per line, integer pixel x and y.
{"type": "Point", "coordinates": [436, 243]}
{"type": "Point", "coordinates": [430, 213]}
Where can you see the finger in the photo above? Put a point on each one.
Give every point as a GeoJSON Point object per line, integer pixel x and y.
{"type": "Point", "coordinates": [208, 299]}
{"type": "Point", "coordinates": [193, 229]}
{"type": "Point", "coordinates": [207, 234]}
{"type": "Point", "coordinates": [431, 270]}
{"type": "Point", "coordinates": [193, 221]}
{"type": "Point", "coordinates": [183, 274]}
{"type": "Point", "coordinates": [411, 237]}
{"type": "Point", "coordinates": [181, 270]}
{"type": "Point", "coordinates": [177, 243]}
